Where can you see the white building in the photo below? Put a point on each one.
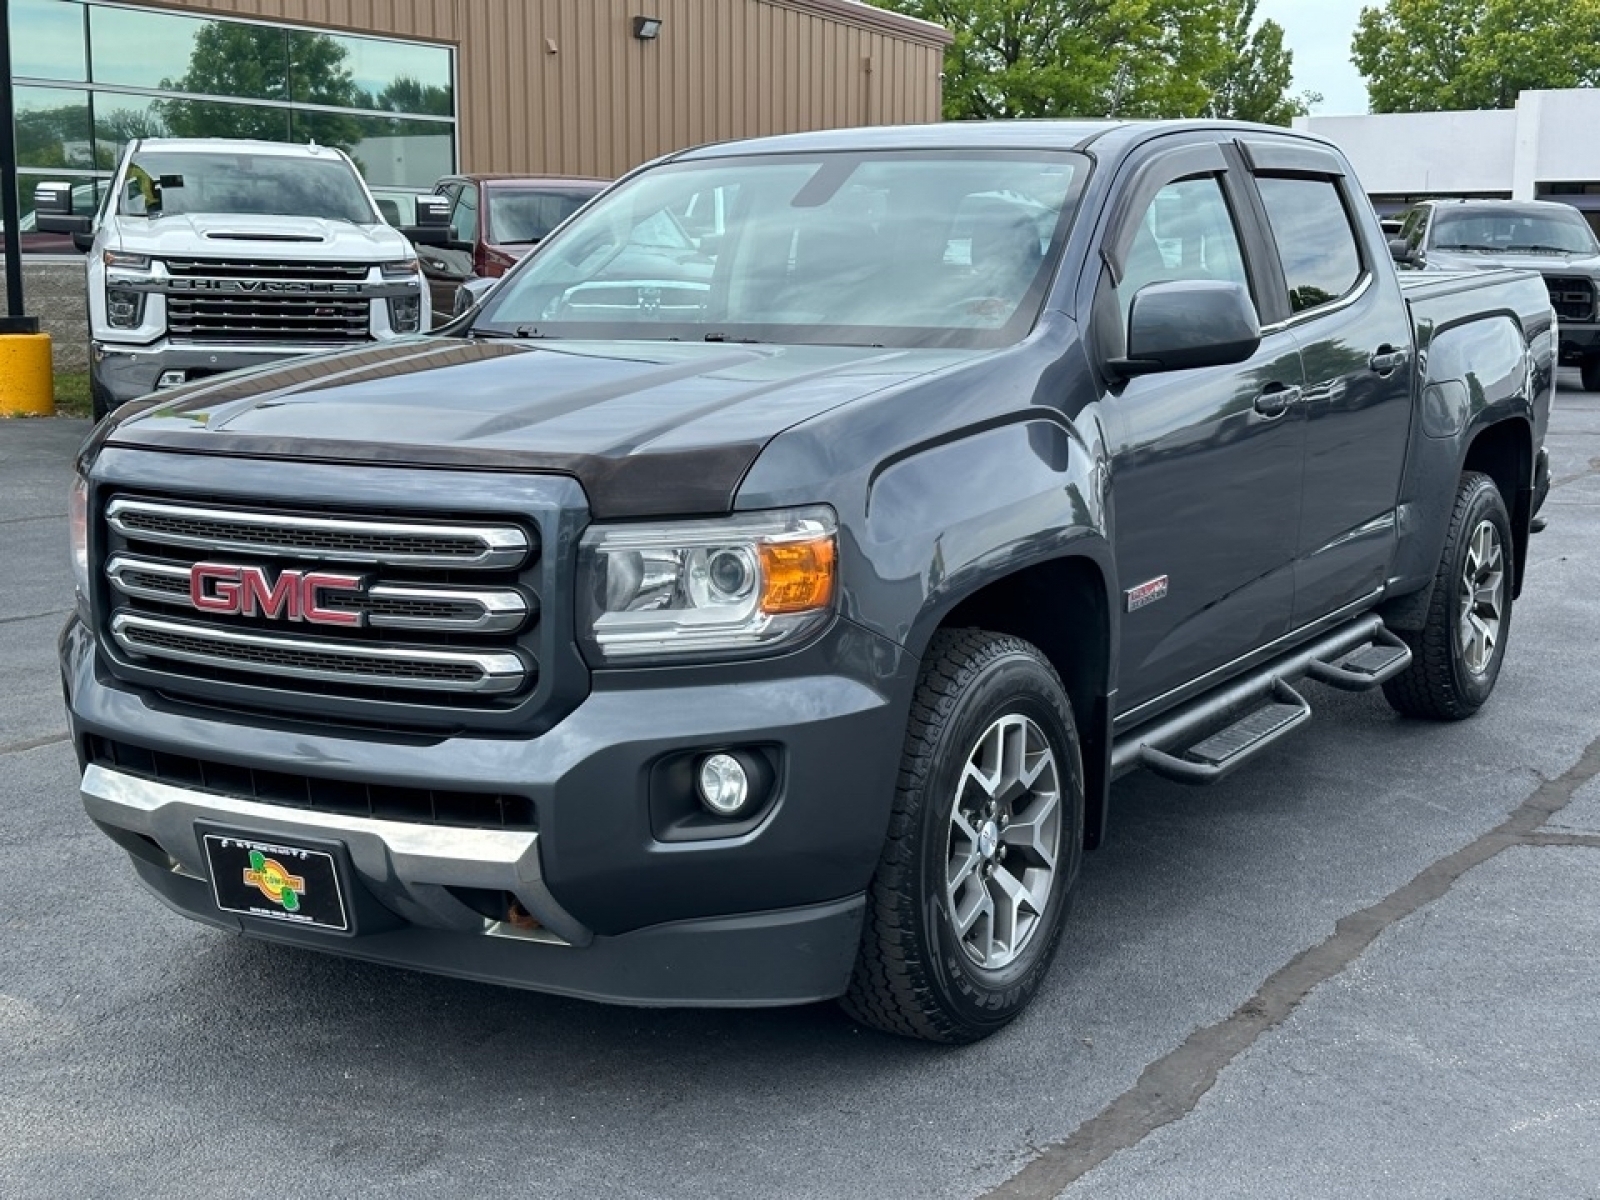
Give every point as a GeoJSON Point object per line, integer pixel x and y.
{"type": "Point", "coordinates": [1546, 148]}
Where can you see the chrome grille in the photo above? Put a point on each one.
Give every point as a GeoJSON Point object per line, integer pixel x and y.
{"type": "Point", "coordinates": [1572, 298]}
{"type": "Point", "coordinates": [301, 320]}
{"type": "Point", "coordinates": [323, 538]}
{"type": "Point", "coordinates": [419, 611]}
{"type": "Point", "coordinates": [227, 268]}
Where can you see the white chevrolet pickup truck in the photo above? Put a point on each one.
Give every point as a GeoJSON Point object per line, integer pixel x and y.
{"type": "Point", "coordinates": [209, 255]}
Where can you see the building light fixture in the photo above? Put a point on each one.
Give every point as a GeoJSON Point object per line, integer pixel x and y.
{"type": "Point", "coordinates": [647, 29]}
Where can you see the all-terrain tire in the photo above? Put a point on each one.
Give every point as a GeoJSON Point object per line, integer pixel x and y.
{"type": "Point", "coordinates": [916, 974]}
{"type": "Point", "coordinates": [1443, 683]}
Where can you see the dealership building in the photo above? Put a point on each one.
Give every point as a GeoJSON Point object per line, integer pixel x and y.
{"type": "Point", "coordinates": [1545, 148]}
{"type": "Point", "coordinates": [416, 89]}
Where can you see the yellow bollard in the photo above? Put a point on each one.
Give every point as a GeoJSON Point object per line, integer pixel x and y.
{"type": "Point", "coordinates": [27, 384]}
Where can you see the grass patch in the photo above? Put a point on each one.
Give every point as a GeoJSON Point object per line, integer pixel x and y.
{"type": "Point", "coordinates": [72, 394]}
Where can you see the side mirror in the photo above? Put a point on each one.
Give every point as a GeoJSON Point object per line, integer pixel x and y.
{"type": "Point", "coordinates": [1400, 251]}
{"type": "Point", "coordinates": [1187, 323]}
{"type": "Point", "coordinates": [52, 208]}
{"type": "Point", "coordinates": [433, 222]}
{"type": "Point", "coordinates": [84, 241]}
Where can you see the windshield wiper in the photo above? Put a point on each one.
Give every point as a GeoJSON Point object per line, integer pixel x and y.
{"type": "Point", "coordinates": [1464, 246]}
{"type": "Point", "coordinates": [722, 337]}
{"type": "Point", "coordinates": [1539, 249]}
{"type": "Point", "coordinates": [520, 333]}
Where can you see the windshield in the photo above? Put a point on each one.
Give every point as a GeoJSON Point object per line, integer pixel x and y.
{"type": "Point", "coordinates": [521, 215]}
{"type": "Point", "coordinates": [168, 183]}
{"type": "Point", "coordinates": [1514, 230]}
{"type": "Point", "coordinates": [880, 248]}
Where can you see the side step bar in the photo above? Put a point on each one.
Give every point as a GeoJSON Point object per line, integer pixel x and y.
{"type": "Point", "coordinates": [1207, 738]}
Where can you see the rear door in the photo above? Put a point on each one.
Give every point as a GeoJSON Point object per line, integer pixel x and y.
{"type": "Point", "coordinates": [447, 267]}
{"type": "Point", "coordinates": [1205, 487]}
{"type": "Point", "coordinates": [1354, 333]}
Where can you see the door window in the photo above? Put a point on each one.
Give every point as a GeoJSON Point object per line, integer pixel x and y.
{"type": "Point", "coordinates": [464, 219]}
{"type": "Point", "coordinates": [1186, 233]}
{"type": "Point", "coordinates": [1316, 243]}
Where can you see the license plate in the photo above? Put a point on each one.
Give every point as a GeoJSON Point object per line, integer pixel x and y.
{"type": "Point", "coordinates": [277, 881]}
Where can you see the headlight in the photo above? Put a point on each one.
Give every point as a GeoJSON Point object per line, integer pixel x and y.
{"type": "Point", "coordinates": [127, 262]}
{"type": "Point", "coordinates": [78, 540]}
{"type": "Point", "coordinates": [400, 268]}
{"type": "Point", "coordinates": [124, 308]}
{"type": "Point", "coordinates": [405, 313]}
{"type": "Point", "coordinates": [706, 589]}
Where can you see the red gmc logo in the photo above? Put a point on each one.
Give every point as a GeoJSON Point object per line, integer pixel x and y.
{"type": "Point", "coordinates": [248, 592]}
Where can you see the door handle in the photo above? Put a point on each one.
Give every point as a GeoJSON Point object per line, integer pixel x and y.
{"type": "Point", "coordinates": [1275, 399]}
{"type": "Point", "coordinates": [1387, 360]}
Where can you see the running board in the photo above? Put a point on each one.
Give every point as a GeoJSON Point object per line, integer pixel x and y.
{"type": "Point", "coordinates": [1204, 740]}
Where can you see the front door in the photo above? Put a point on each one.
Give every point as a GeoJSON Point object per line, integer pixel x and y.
{"type": "Point", "coordinates": [1205, 463]}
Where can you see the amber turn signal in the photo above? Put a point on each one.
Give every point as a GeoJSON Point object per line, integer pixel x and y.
{"type": "Point", "coordinates": [797, 576]}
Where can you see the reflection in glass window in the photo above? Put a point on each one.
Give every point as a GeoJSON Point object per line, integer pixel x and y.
{"type": "Point", "coordinates": [464, 217]}
{"type": "Point", "coordinates": [208, 118]}
{"type": "Point", "coordinates": [1315, 242]}
{"type": "Point", "coordinates": [53, 128]}
{"type": "Point", "coordinates": [187, 54]}
{"type": "Point", "coordinates": [521, 215]}
{"type": "Point", "coordinates": [47, 41]}
{"type": "Point", "coordinates": [1186, 233]}
{"type": "Point", "coordinates": [390, 151]}
{"type": "Point", "coordinates": [392, 76]}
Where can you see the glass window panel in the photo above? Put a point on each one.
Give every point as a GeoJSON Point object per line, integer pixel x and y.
{"type": "Point", "coordinates": [1186, 233]}
{"type": "Point", "coordinates": [390, 151]}
{"type": "Point", "coordinates": [119, 119]}
{"type": "Point", "coordinates": [47, 40]}
{"type": "Point", "coordinates": [1315, 242]}
{"type": "Point", "coordinates": [53, 128]}
{"type": "Point", "coordinates": [189, 54]}
{"type": "Point", "coordinates": [394, 76]}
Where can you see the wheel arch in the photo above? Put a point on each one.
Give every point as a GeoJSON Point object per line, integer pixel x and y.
{"type": "Point", "coordinates": [1061, 605]}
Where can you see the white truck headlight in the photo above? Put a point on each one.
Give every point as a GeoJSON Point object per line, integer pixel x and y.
{"type": "Point", "coordinates": [706, 589]}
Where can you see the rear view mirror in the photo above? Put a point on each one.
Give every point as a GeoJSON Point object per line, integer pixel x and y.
{"type": "Point", "coordinates": [1186, 323]}
{"type": "Point", "coordinates": [52, 208]}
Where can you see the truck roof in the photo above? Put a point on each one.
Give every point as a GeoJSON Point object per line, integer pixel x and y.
{"type": "Point", "coordinates": [1115, 134]}
{"type": "Point", "coordinates": [235, 146]}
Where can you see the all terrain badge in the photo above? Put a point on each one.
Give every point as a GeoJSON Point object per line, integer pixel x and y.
{"type": "Point", "coordinates": [1147, 593]}
{"type": "Point", "coordinates": [272, 880]}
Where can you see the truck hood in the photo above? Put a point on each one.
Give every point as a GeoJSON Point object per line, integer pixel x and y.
{"type": "Point", "coordinates": [221, 235]}
{"type": "Point", "coordinates": [648, 428]}
{"type": "Point", "coordinates": [1548, 264]}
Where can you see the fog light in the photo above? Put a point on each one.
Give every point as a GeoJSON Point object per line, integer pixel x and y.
{"type": "Point", "coordinates": [724, 785]}
{"type": "Point", "coordinates": [170, 379]}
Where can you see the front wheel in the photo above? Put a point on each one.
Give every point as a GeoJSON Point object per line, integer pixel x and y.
{"type": "Point", "coordinates": [967, 906]}
{"type": "Point", "coordinates": [1589, 370]}
{"type": "Point", "coordinates": [1456, 656]}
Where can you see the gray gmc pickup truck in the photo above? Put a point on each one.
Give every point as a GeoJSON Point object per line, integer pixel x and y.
{"type": "Point", "coordinates": [764, 618]}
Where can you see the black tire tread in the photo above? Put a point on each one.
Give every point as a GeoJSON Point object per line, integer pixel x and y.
{"type": "Point", "coordinates": [889, 989]}
{"type": "Point", "coordinates": [1427, 688]}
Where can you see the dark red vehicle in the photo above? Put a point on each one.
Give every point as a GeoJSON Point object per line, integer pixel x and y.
{"type": "Point", "coordinates": [494, 221]}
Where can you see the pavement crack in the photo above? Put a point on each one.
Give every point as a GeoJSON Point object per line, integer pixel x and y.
{"type": "Point", "coordinates": [1171, 1086]}
{"type": "Point", "coordinates": [54, 612]}
{"type": "Point", "coordinates": [48, 739]}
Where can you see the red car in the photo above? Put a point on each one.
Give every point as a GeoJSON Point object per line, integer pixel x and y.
{"type": "Point", "coordinates": [494, 221]}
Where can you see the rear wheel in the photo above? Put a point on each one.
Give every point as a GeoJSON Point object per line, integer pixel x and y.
{"type": "Point", "coordinates": [967, 906]}
{"type": "Point", "coordinates": [1456, 656]}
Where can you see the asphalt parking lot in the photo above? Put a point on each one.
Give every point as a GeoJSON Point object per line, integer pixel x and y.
{"type": "Point", "coordinates": [1367, 967]}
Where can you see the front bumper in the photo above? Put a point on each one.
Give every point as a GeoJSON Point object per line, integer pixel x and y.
{"type": "Point", "coordinates": [769, 915]}
{"type": "Point", "coordinates": [1578, 341]}
{"type": "Point", "coordinates": [128, 372]}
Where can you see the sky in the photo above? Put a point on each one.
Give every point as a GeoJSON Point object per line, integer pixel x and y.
{"type": "Point", "coordinates": [1319, 33]}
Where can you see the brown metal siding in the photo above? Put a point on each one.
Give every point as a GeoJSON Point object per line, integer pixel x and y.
{"type": "Point", "coordinates": [563, 86]}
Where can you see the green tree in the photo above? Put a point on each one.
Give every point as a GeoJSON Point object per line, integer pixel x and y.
{"type": "Point", "coordinates": [1426, 55]}
{"type": "Point", "coordinates": [261, 62]}
{"type": "Point", "coordinates": [404, 94]}
{"type": "Point", "coordinates": [1078, 58]}
{"type": "Point", "coordinates": [1252, 83]}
